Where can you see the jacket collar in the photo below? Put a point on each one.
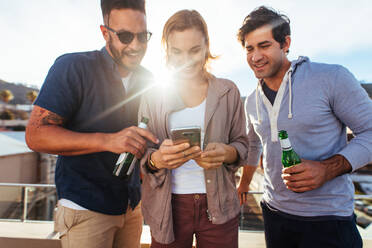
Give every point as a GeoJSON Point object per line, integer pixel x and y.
{"type": "Point", "coordinates": [216, 89]}
{"type": "Point", "coordinates": [108, 59]}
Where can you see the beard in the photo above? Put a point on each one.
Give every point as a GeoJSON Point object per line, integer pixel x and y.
{"type": "Point", "coordinates": [117, 55]}
{"type": "Point", "coordinates": [124, 57]}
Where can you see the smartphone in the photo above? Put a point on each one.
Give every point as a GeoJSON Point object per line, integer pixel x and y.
{"type": "Point", "coordinates": [186, 134]}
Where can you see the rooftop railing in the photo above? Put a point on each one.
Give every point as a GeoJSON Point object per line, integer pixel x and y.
{"type": "Point", "coordinates": [36, 203]}
{"type": "Point", "coordinates": [27, 202]}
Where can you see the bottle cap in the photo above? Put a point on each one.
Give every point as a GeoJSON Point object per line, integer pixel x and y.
{"type": "Point", "coordinates": [145, 120]}
{"type": "Point", "coordinates": [283, 134]}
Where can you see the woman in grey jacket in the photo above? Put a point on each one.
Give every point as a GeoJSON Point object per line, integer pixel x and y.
{"type": "Point", "coordinates": [187, 190]}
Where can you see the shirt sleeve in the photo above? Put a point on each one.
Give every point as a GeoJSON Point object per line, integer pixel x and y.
{"type": "Point", "coordinates": [61, 89]}
{"type": "Point", "coordinates": [352, 105]}
{"type": "Point", "coordinates": [254, 142]}
{"type": "Point", "coordinates": [237, 135]}
{"type": "Point", "coordinates": [156, 179]}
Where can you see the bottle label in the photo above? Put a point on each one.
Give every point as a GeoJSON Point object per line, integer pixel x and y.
{"type": "Point", "coordinates": [120, 163]}
{"type": "Point", "coordinates": [285, 144]}
{"type": "Point", "coordinates": [131, 167]}
{"type": "Point", "coordinates": [142, 125]}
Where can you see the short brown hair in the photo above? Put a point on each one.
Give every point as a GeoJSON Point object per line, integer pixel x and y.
{"type": "Point", "coordinates": [108, 5]}
{"type": "Point", "coordinates": [262, 16]}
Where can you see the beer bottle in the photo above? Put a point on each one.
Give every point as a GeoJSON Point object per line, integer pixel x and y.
{"type": "Point", "coordinates": [126, 161]}
{"type": "Point", "coordinates": [289, 156]}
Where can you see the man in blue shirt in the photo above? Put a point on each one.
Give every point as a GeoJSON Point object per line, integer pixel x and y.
{"type": "Point", "coordinates": [309, 204]}
{"type": "Point", "coordinates": [86, 113]}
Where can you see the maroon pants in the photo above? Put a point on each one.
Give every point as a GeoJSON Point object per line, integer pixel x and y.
{"type": "Point", "coordinates": [190, 217]}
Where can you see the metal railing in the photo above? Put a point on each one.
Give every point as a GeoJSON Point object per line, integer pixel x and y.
{"type": "Point", "coordinates": [26, 199]}
{"type": "Point", "coordinates": [29, 195]}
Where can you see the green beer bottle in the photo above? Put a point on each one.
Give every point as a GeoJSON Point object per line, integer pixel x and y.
{"type": "Point", "coordinates": [126, 161]}
{"type": "Point", "coordinates": [289, 156]}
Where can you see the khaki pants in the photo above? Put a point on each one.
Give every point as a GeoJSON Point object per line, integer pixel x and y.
{"type": "Point", "coordinates": [88, 229]}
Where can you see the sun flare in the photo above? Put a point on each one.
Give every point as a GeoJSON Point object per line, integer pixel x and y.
{"type": "Point", "coordinates": [163, 77]}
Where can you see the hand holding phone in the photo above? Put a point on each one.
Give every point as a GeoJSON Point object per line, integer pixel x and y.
{"type": "Point", "coordinates": [183, 146]}
{"type": "Point", "coordinates": [215, 154]}
{"type": "Point", "coordinates": [172, 156]}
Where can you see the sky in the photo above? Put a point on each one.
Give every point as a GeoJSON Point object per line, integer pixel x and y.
{"type": "Point", "coordinates": [35, 32]}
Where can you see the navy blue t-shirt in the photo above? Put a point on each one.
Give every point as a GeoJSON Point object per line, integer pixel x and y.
{"type": "Point", "coordinates": [269, 93]}
{"type": "Point", "coordinates": [87, 91]}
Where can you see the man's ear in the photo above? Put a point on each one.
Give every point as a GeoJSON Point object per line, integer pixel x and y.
{"type": "Point", "coordinates": [287, 44]}
{"type": "Point", "coordinates": [105, 33]}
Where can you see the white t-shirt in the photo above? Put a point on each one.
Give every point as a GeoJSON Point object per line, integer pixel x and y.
{"type": "Point", "coordinates": [70, 204]}
{"type": "Point", "coordinates": [189, 177]}
{"type": "Point", "coordinates": [126, 82]}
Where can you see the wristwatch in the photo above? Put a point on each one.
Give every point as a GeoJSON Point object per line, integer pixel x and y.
{"type": "Point", "coordinates": [151, 165]}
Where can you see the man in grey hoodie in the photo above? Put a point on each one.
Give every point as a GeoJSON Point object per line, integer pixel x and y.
{"type": "Point", "coordinates": [314, 103]}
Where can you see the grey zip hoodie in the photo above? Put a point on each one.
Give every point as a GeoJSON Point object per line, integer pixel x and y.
{"type": "Point", "coordinates": [314, 103]}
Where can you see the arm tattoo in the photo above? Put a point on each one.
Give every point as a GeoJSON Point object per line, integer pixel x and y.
{"type": "Point", "coordinates": [42, 117]}
{"type": "Point", "coordinates": [52, 119]}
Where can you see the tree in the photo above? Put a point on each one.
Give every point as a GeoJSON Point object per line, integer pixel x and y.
{"type": "Point", "coordinates": [7, 115]}
{"type": "Point", "coordinates": [6, 96]}
{"type": "Point", "coordinates": [31, 95]}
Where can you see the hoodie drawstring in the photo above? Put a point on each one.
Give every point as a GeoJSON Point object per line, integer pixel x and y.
{"type": "Point", "coordinates": [290, 94]}
{"type": "Point", "coordinates": [257, 111]}
{"type": "Point", "coordinates": [290, 115]}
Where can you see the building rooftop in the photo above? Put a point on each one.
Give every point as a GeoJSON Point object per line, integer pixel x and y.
{"type": "Point", "coordinates": [20, 136]}
{"type": "Point", "coordinates": [12, 145]}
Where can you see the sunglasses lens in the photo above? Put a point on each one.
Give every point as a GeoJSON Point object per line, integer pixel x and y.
{"type": "Point", "coordinates": [144, 37]}
{"type": "Point", "coordinates": [126, 37]}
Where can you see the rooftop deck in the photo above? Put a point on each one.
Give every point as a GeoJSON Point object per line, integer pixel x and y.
{"type": "Point", "coordinates": [20, 228]}
{"type": "Point", "coordinates": [35, 235]}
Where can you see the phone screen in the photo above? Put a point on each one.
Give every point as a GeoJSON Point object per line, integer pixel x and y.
{"type": "Point", "coordinates": [186, 134]}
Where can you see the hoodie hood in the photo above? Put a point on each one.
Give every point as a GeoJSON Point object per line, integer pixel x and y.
{"type": "Point", "coordinates": [299, 61]}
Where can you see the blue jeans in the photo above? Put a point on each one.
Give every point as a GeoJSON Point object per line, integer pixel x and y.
{"type": "Point", "coordinates": [281, 231]}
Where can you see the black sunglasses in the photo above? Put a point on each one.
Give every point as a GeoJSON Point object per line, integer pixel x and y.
{"type": "Point", "coordinates": [127, 37]}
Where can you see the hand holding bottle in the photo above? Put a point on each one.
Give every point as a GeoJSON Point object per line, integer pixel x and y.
{"type": "Point", "coordinates": [137, 145]}
{"type": "Point", "coordinates": [131, 139]}
{"type": "Point", "coordinates": [309, 175]}
{"type": "Point", "coordinates": [306, 176]}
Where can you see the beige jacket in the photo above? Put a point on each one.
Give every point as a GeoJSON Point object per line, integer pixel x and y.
{"type": "Point", "coordinates": [225, 123]}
